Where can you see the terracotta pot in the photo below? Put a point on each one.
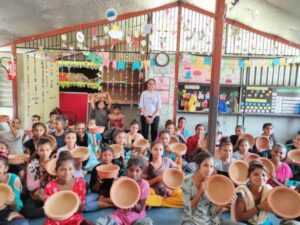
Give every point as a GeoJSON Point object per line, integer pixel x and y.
{"type": "Point", "coordinates": [216, 183]}
{"type": "Point", "coordinates": [125, 193]}
{"type": "Point", "coordinates": [50, 167]}
{"type": "Point", "coordinates": [284, 202]}
{"type": "Point", "coordinates": [262, 143]}
{"type": "Point", "coordinates": [140, 143]}
{"type": "Point", "coordinates": [172, 178]}
{"type": "Point", "coordinates": [251, 157]}
{"type": "Point", "coordinates": [249, 137]}
{"type": "Point", "coordinates": [80, 153]}
{"type": "Point", "coordinates": [238, 172]}
{"type": "Point", "coordinates": [294, 155]}
{"type": "Point", "coordinates": [178, 148]}
{"type": "Point", "coordinates": [107, 171]}
{"type": "Point", "coordinates": [96, 130]}
{"type": "Point", "coordinates": [118, 150]}
{"type": "Point", "coordinates": [17, 159]}
{"type": "Point", "coordinates": [5, 191]}
{"type": "Point", "coordinates": [173, 140]}
{"type": "Point", "coordinates": [269, 165]}
{"type": "Point", "coordinates": [4, 118]}
{"type": "Point", "coordinates": [61, 205]}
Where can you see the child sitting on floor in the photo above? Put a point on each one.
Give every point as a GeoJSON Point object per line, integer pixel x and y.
{"type": "Point", "coordinates": [136, 215]}
{"type": "Point", "coordinates": [9, 211]}
{"type": "Point", "coordinates": [59, 132]}
{"type": "Point", "coordinates": [133, 134]}
{"type": "Point", "coordinates": [242, 147]}
{"type": "Point", "coordinates": [82, 137]}
{"type": "Point", "coordinates": [160, 195]}
{"type": "Point", "coordinates": [100, 187]}
{"type": "Point", "coordinates": [38, 130]}
{"type": "Point", "coordinates": [65, 180]}
{"type": "Point", "coordinates": [116, 118]}
{"type": "Point", "coordinates": [225, 158]}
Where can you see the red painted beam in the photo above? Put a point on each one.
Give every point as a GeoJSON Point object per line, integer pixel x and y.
{"type": "Point", "coordinates": [215, 74]}
{"type": "Point", "coordinates": [177, 61]}
{"type": "Point", "coordinates": [15, 82]}
{"type": "Point", "coordinates": [92, 24]}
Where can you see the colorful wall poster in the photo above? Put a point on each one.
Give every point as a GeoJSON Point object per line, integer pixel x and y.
{"type": "Point", "coordinates": [286, 101]}
{"type": "Point", "coordinates": [257, 100]}
{"type": "Point", "coordinates": [162, 83]}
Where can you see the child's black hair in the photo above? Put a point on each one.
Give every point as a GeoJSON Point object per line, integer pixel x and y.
{"type": "Point", "coordinates": [4, 160]}
{"type": "Point", "coordinates": [199, 125]}
{"type": "Point", "coordinates": [201, 156]}
{"type": "Point", "coordinates": [42, 141]}
{"type": "Point", "coordinates": [163, 132]}
{"type": "Point", "coordinates": [137, 161]}
{"type": "Point", "coordinates": [169, 122]}
{"type": "Point", "coordinates": [152, 145]}
{"type": "Point", "coordinates": [107, 148]}
{"type": "Point", "coordinates": [37, 116]}
{"type": "Point", "coordinates": [240, 126]}
{"type": "Point", "coordinates": [63, 157]}
{"type": "Point", "coordinates": [181, 118]}
{"type": "Point", "coordinates": [267, 124]}
{"type": "Point", "coordinates": [60, 119]}
{"type": "Point", "coordinates": [117, 132]}
{"type": "Point", "coordinates": [39, 124]}
{"type": "Point", "coordinates": [133, 122]}
{"type": "Point", "coordinates": [254, 165]}
{"type": "Point", "coordinates": [117, 106]}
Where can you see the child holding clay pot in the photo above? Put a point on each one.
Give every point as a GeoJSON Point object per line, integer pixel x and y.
{"type": "Point", "coordinates": [100, 188]}
{"type": "Point", "coordinates": [99, 109]}
{"type": "Point", "coordinates": [242, 148]}
{"type": "Point", "coordinates": [9, 212]}
{"type": "Point", "coordinates": [164, 138]}
{"type": "Point", "coordinates": [137, 214]}
{"type": "Point", "coordinates": [193, 142]}
{"type": "Point", "coordinates": [282, 171]}
{"type": "Point", "coordinates": [82, 137]}
{"type": "Point", "coordinates": [133, 134]}
{"type": "Point", "coordinates": [65, 180]}
{"type": "Point", "coordinates": [294, 165]}
{"type": "Point", "coordinates": [251, 206]}
{"type": "Point", "coordinates": [225, 157]}
{"type": "Point", "coordinates": [36, 180]}
{"type": "Point", "coordinates": [38, 130]}
{"type": "Point", "coordinates": [197, 208]}
{"type": "Point", "coordinates": [239, 130]}
{"type": "Point", "coordinates": [160, 195]}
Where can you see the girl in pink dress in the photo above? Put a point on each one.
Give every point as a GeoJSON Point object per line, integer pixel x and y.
{"type": "Point", "coordinates": [137, 214]}
{"type": "Point", "coordinates": [65, 181]}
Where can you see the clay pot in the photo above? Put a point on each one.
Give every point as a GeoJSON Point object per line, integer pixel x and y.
{"type": "Point", "coordinates": [177, 148]}
{"type": "Point", "coordinates": [118, 150]}
{"type": "Point", "coordinates": [107, 171]}
{"type": "Point", "coordinates": [294, 155]}
{"type": "Point", "coordinates": [172, 178]}
{"type": "Point", "coordinates": [50, 167]}
{"type": "Point", "coordinates": [61, 205]}
{"type": "Point", "coordinates": [249, 137]}
{"type": "Point", "coordinates": [96, 130]}
{"type": "Point", "coordinates": [262, 143]}
{"type": "Point", "coordinates": [269, 165]}
{"type": "Point", "coordinates": [251, 157]}
{"type": "Point", "coordinates": [173, 140]}
{"type": "Point", "coordinates": [216, 183]}
{"type": "Point", "coordinates": [80, 153]}
{"type": "Point", "coordinates": [125, 193]}
{"type": "Point", "coordinates": [140, 143]}
{"type": "Point", "coordinates": [4, 118]}
{"type": "Point", "coordinates": [238, 172]}
{"type": "Point", "coordinates": [284, 202]}
{"type": "Point", "coordinates": [5, 191]}
{"type": "Point", "coordinates": [17, 159]}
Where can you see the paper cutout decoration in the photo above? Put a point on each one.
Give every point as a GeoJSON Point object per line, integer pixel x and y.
{"type": "Point", "coordinates": [146, 29]}
{"type": "Point", "coordinates": [121, 65]}
{"type": "Point", "coordinates": [106, 63]}
{"type": "Point", "coordinates": [79, 36]}
{"type": "Point", "coordinates": [63, 37]}
{"type": "Point", "coordinates": [111, 14]}
{"type": "Point", "coordinates": [105, 29]}
{"type": "Point", "coordinates": [146, 63]}
{"type": "Point", "coordinates": [136, 65]}
{"type": "Point", "coordinates": [207, 60]}
{"type": "Point", "coordinates": [116, 33]}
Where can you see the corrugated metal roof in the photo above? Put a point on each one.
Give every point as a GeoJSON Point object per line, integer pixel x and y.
{"type": "Point", "coordinates": [19, 18]}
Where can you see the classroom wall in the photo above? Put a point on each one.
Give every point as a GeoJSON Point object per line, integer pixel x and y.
{"type": "Point", "coordinates": [38, 91]}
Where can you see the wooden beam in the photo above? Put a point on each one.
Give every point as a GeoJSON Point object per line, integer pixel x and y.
{"type": "Point", "coordinates": [177, 61]}
{"type": "Point", "coordinates": [15, 82]}
{"type": "Point", "coordinates": [215, 75]}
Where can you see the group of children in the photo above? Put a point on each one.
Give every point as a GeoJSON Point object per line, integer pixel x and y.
{"type": "Point", "coordinates": [32, 185]}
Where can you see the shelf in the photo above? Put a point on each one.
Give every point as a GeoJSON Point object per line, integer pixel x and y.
{"type": "Point", "coordinates": [124, 102]}
{"type": "Point", "coordinates": [197, 112]}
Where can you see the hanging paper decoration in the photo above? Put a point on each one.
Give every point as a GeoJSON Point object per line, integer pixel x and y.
{"type": "Point", "coordinates": [146, 63]}
{"type": "Point", "coordinates": [136, 65]}
{"type": "Point", "coordinates": [79, 36]}
{"type": "Point", "coordinates": [146, 29]}
{"type": "Point", "coordinates": [78, 64]}
{"type": "Point", "coordinates": [28, 86]}
{"type": "Point", "coordinates": [105, 29]}
{"type": "Point", "coordinates": [11, 70]}
{"type": "Point", "coordinates": [113, 42]}
{"type": "Point", "coordinates": [143, 43]}
{"type": "Point", "coordinates": [67, 84]}
{"type": "Point", "coordinates": [111, 14]}
{"type": "Point", "coordinates": [116, 33]}
{"type": "Point", "coordinates": [128, 39]}
{"type": "Point", "coordinates": [94, 33]}
{"type": "Point", "coordinates": [35, 98]}
{"type": "Point", "coordinates": [121, 65]}
{"type": "Point", "coordinates": [101, 42]}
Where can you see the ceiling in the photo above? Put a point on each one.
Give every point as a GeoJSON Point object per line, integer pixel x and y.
{"type": "Point", "coordinates": [21, 18]}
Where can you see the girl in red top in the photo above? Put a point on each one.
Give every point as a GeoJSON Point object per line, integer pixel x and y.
{"type": "Point", "coordinates": [194, 142]}
{"type": "Point", "coordinates": [65, 181]}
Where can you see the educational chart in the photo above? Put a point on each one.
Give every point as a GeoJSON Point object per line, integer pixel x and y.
{"type": "Point", "coordinates": [286, 101]}
{"type": "Point", "coordinates": [257, 100]}
{"type": "Point", "coordinates": [195, 98]}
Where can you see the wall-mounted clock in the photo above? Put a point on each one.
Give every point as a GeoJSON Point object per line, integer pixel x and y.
{"type": "Point", "coordinates": [162, 59]}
